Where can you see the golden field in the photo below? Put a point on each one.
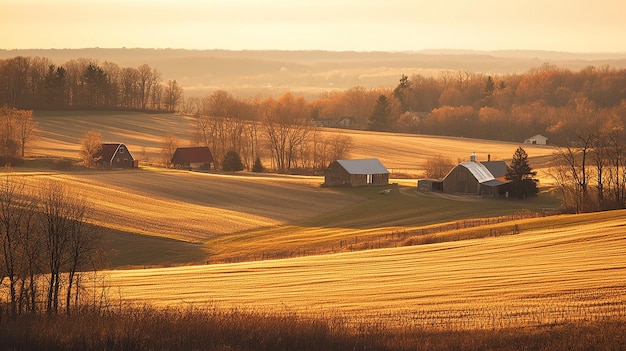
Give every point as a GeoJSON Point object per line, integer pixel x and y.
{"type": "Point", "coordinates": [556, 269]}
{"type": "Point", "coordinates": [560, 273]}
{"type": "Point", "coordinates": [143, 133]}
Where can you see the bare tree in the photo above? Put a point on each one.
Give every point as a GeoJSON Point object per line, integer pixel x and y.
{"type": "Point", "coordinates": [9, 238]}
{"type": "Point", "coordinates": [286, 124]}
{"type": "Point", "coordinates": [90, 146]}
{"type": "Point", "coordinates": [168, 147]}
{"type": "Point", "coordinates": [437, 167]}
{"type": "Point", "coordinates": [27, 129]}
{"type": "Point", "coordinates": [66, 239]}
{"type": "Point", "coordinates": [172, 95]}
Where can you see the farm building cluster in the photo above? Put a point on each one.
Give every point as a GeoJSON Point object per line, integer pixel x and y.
{"type": "Point", "coordinates": [117, 155]}
{"type": "Point", "coordinates": [486, 178]}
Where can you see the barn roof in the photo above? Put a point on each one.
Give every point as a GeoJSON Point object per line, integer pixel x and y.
{"type": "Point", "coordinates": [496, 168]}
{"type": "Point", "coordinates": [363, 166]}
{"type": "Point", "coordinates": [478, 170]}
{"type": "Point", "coordinates": [108, 151]}
{"type": "Point", "coordinates": [188, 155]}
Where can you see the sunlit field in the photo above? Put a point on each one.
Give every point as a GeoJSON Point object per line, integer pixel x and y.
{"type": "Point", "coordinates": [572, 271]}
{"type": "Point", "coordinates": [143, 133]}
{"type": "Point", "coordinates": [284, 244]}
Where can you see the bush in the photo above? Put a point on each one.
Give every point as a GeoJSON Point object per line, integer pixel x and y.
{"type": "Point", "coordinates": [232, 162]}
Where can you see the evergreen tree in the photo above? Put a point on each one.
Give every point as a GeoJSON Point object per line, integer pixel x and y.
{"type": "Point", "coordinates": [521, 176]}
{"type": "Point", "coordinates": [258, 166]}
{"type": "Point", "coordinates": [379, 120]}
{"type": "Point", "coordinates": [232, 162]}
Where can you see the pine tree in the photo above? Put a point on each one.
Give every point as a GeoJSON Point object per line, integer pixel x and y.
{"type": "Point", "coordinates": [258, 166]}
{"type": "Point", "coordinates": [379, 120]}
{"type": "Point", "coordinates": [521, 176]}
{"type": "Point", "coordinates": [232, 162]}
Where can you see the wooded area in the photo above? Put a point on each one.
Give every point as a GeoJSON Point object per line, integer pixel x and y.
{"type": "Point", "coordinates": [37, 83]}
{"type": "Point", "coordinates": [582, 112]}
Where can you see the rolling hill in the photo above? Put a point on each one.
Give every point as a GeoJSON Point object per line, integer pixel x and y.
{"type": "Point", "coordinates": [552, 270]}
{"type": "Point", "coordinates": [570, 268]}
{"type": "Point", "coordinates": [244, 215]}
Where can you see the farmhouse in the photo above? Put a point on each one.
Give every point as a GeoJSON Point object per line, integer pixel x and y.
{"type": "Point", "coordinates": [199, 157]}
{"type": "Point", "coordinates": [356, 173]}
{"type": "Point", "coordinates": [115, 155]}
{"type": "Point", "coordinates": [537, 140]}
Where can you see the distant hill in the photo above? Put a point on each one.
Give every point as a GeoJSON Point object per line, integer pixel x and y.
{"type": "Point", "coordinates": [252, 73]}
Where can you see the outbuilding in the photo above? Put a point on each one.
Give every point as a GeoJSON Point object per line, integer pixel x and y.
{"type": "Point", "coordinates": [537, 140]}
{"type": "Point", "coordinates": [115, 155]}
{"type": "Point", "coordinates": [199, 157]}
{"type": "Point", "coordinates": [355, 173]}
{"type": "Point", "coordinates": [472, 178]}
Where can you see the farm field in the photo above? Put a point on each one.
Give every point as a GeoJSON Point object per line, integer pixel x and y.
{"type": "Point", "coordinates": [142, 133]}
{"type": "Point", "coordinates": [335, 244]}
{"type": "Point", "coordinates": [572, 270]}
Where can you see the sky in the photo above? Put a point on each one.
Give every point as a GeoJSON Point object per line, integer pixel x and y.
{"type": "Point", "coordinates": [336, 25]}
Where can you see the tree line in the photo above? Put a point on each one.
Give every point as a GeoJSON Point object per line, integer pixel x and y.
{"type": "Point", "coordinates": [277, 128]}
{"type": "Point", "coordinates": [46, 244]}
{"type": "Point", "coordinates": [37, 83]}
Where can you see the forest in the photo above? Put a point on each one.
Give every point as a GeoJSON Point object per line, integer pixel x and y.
{"type": "Point", "coordinates": [546, 100]}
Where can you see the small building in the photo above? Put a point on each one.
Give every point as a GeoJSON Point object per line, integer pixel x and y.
{"type": "Point", "coordinates": [472, 178]}
{"type": "Point", "coordinates": [198, 157]}
{"type": "Point", "coordinates": [115, 155]}
{"type": "Point", "coordinates": [537, 140]}
{"type": "Point", "coordinates": [347, 122]}
{"type": "Point", "coordinates": [355, 173]}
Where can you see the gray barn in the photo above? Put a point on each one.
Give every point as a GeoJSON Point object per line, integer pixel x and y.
{"type": "Point", "coordinates": [356, 173]}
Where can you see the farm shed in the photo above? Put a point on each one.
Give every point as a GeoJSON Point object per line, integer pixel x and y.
{"type": "Point", "coordinates": [115, 155]}
{"type": "Point", "coordinates": [356, 173]}
{"type": "Point", "coordinates": [199, 157]}
{"type": "Point", "coordinates": [537, 140]}
{"type": "Point", "coordinates": [472, 178]}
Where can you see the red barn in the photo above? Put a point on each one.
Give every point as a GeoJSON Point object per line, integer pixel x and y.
{"type": "Point", "coordinates": [115, 155]}
{"type": "Point", "coordinates": [192, 157]}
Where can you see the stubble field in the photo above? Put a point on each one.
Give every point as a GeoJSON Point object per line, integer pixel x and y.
{"type": "Point", "coordinates": [551, 271]}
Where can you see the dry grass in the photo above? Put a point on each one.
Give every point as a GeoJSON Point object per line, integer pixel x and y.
{"type": "Point", "coordinates": [401, 153]}
{"type": "Point", "coordinates": [191, 206]}
{"type": "Point", "coordinates": [549, 275]}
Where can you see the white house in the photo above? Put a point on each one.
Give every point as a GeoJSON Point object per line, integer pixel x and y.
{"type": "Point", "coordinates": [537, 140]}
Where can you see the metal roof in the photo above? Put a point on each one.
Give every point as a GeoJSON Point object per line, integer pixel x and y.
{"type": "Point", "coordinates": [496, 168]}
{"type": "Point", "coordinates": [479, 171]}
{"type": "Point", "coordinates": [363, 166]}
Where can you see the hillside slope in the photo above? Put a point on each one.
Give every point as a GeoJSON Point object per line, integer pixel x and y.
{"type": "Point", "coordinates": [142, 133]}
{"type": "Point", "coordinates": [574, 270]}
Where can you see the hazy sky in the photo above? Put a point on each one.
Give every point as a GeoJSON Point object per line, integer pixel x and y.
{"type": "Point", "coordinates": [361, 25]}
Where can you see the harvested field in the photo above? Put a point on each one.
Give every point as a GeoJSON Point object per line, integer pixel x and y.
{"type": "Point", "coordinates": [191, 206]}
{"type": "Point", "coordinates": [540, 276]}
{"type": "Point", "coordinates": [143, 132]}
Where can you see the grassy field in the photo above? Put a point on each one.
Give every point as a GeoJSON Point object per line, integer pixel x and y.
{"type": "Point", "coordinates": [548, 270]}
{"type": "Point", "coordinates": [246, 215]}
{"type": "Point", "coordinates": [142, 133]}
{"type": "Point", "coordinates": [567, 268]}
